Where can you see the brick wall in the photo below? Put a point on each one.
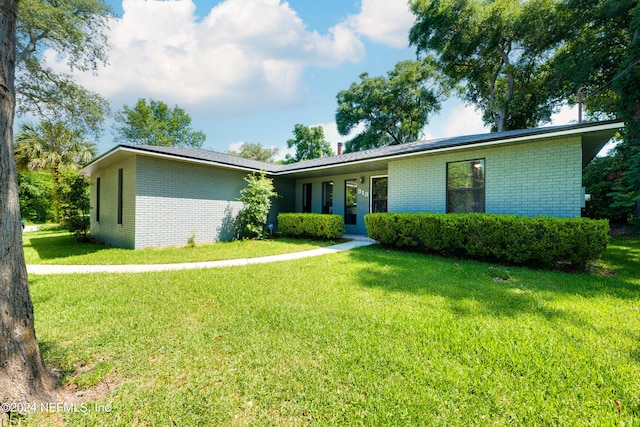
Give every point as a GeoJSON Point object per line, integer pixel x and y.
{"type": "Point", "coordinates": [529, 178]}
{"type": "Point", "coordinates": [107, 229]}
{"type": "Point", "coordinates": [177, 200]}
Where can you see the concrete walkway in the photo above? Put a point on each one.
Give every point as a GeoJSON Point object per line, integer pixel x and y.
{"type": "Point", "coordinates": [356, 241]}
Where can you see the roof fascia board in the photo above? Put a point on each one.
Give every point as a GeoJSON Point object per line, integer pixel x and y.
{"type": "Point", "coordinates": [172, 157]}
{"type": "Point", "coordinates": [498, 141]}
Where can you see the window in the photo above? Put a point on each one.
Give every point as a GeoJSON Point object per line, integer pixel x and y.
{"type": "Point", "coordinates": [119, 196]}
{"type": "Point", "coordinates": [327, 197]}
{"type": "Point", "coordinates": [379, 194]}
{"type": "Point", "coordinates": [306, 198]}
{"type": "Point", "coordinates": [98, 200]}
{"type": "Point", "coordinates": [465, 186]}
{"type": "Point", "coordinates": [350, 201]}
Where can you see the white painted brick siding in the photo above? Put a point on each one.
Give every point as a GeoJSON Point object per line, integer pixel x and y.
{"type": "Point", "coordinates": [176, 199]}
{"type": "Point", "coordinates": [108, 230]}
{"type": "Point", "coordinates": [530, 178]}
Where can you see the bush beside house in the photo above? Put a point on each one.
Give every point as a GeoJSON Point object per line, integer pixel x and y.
{"type": "Point", "coordinates": [316, 226]}
{"type": "Point", "coordinates": [541, 241]}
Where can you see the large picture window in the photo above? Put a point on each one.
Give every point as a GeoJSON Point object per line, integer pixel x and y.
{"type": "Point", "coordinates": [327, 197]}
{"type": "Point", "coordinates": [350, 201]}
{"type": "Point", "coordinates": [465, 186]}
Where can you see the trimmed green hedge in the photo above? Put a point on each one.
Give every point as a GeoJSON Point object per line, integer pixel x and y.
{"type": "Point", "coordinates": [317, 226]}
{"type": "Point", "coordinates": [541, 241]}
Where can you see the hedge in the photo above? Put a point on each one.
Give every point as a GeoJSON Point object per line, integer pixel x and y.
{"type": "Point", "coordinates": [316, 226]}
{"type": "Point", "coordinates": [569, 243]}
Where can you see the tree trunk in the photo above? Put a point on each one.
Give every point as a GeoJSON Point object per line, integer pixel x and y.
{"type": "Point", "coordinates": [24, 379]}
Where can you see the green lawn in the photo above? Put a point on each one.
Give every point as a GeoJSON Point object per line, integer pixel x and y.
{"type": "Point", "coordinates": [367, 337]}
{"type": "Point", "coordinates": [61, 247]}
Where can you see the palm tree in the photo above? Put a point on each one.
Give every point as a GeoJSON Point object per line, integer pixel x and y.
{"type": "Point", "coordinates": [52, 146]}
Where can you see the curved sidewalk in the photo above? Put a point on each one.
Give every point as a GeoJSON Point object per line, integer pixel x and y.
{"type": "Point", "coordinates": [143, 268]}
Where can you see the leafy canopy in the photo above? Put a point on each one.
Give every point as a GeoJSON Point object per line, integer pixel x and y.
{"type": "Point", "coordinates": [601, 54]}
{"type": "Point", "coordinates": [309, 143]}
{"type": "Point", "coordinates": [74, 30]}
{"type": "Point", "coordinates": [393, 109]}
{"type": "Point", "coordinates": [495, 52]}
{"type": "Point", "coordinates": [154, 123]}
{"type": "Point", "coordinates": [255, 152]}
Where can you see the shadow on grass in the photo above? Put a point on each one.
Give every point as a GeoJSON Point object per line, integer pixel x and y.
{"type": "Point", "coordinates": [475, 287]}
{"type": "Point", "coordinates": [63, 246]}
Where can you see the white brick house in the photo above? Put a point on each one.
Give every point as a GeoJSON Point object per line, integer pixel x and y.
{"type": "Point", "coordinates": [145, 196]}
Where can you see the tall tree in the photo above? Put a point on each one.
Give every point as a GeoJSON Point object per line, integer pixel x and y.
{"type": "Point", "coordinates": [154, 123]}
{"type": "Point", "coordinates": [309, 143]}
{"type": "Point", "coordinates": [74, 30]}
{"type": "Point", "coordinates": [24, 378]}
{"type": "Point", "coordinates": [393, 109]}
{"type": "Point", "coordinates": [494, 51]}
{"type": "Point", "coordinates": [601, 55]}
{"type": "Point", "coordinates": [252, 151]}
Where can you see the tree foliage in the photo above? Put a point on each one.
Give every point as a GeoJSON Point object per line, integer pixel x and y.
{"type": "Point", "coordinates": [74, 30]}
{"type": "Point", "coordinates": [601, 54]}
{"type": "Point", "coordinates": [256, 198]}
{"type": "Point", "coordinates": [309, 143]}
{"type": "Point", "coordinates": [154, 123]}
{"type": "Point", "coordinates": [393, 109]}
{"type": "Point", "coordinates": [495, 51]}
{"type": "Point", "coordinates": [36, 192]}
{"type": "Point", "coordinates": [255, 152]}
{"type": "Point", "coordinates": [73, 195]}
{"type": "Point", "coordinates": [52, 146]}
{"type": "Point", "coordinates": [601, 178]}
{"type": "Point", "coordinates": [55, 148]}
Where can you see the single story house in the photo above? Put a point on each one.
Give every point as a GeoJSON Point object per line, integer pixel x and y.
{"type": "Point", "coordinates": [144, 196]}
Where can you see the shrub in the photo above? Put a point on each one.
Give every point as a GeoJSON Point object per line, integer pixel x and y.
{"type": "Point", "coordinates": [540, 241]}
{"type": "Point", "coordinates": [73, 196]}
{"type": "Point", "coordinates": [256, 197]}
{"type": "Point", "coordinates": [317, 226]}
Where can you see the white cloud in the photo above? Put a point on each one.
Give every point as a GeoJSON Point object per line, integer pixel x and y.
{"type": "Point", "coordinates": [566, 115]}
{"type": "Point", "coordinates": [462, 120]}
{"type": "Point", "coordinates": [384, 21]}
{"type": "Point", "coordinates": [243, 55]}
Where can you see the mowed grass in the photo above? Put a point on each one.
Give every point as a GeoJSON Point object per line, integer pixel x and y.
{"type": "Point", "coordinates": [368, 337]}
{"type": "Point", "coordinates": [61, 247]}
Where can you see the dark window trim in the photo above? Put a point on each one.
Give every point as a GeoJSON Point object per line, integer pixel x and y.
{"type": "Point", "coordinates": [98, 199]}
{"type": "Point", "coordinates": [480, 190]}
{"type": "Point", "coordinates": [120, 184]}
{"type": "Point", "coordinates": [327, 204]}
{"type": "Point", "coordinates": [372, 201]}
{"type": "Point", "coordinates": [307, 190]}
{"type": "Point", "coordinates": [351, 211]}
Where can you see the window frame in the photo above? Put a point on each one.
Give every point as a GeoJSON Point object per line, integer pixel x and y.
{"type": "Point", "coordinates": [327, 203]}
{"type": "Point", "coordinates": [120, 195]}
{"type": "Point", "coordinates": [98, 199]}
{"type": "Point", "coordinates": [372, 201]}
{"type": "Point", "coordinates": [478, 193]}
{"type": "Point", "coordinates": [351, 211]}
{"type": "Point", "coordinates": [307, 199]}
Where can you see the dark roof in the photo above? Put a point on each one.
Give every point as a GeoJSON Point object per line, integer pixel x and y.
{"type": "Point", "coordinates": [391, 151]}
{"type": "Point", "coordinates": [205, 155]}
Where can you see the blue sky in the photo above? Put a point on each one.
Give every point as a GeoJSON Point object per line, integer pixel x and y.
{"type": "Point", "coordinates": [249, 70]}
